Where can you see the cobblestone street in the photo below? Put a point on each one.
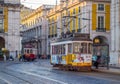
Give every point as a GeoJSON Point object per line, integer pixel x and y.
{"type": "Point", "coordinates": [41, 72]}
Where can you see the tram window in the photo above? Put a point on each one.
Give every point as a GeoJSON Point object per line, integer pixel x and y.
{"type": "Point", "coordinates": [59, 49]}
{"type": "Point", "coordinates": [76, 48]}
{"type": "Point", "coordinates": [53, 49]}
{"type": "Point", "coordinates": [83, 47]}
{"type": "Point", "coordinates": [31, 51]}
{"type": "Point", "coordinates": [63, 49]}
{"type": "Point", "coordinates": [69, 48]}
{"type": "Point", "coordinates": [89, 48]}
{"type": "Point", "coordinates": [27, 50]}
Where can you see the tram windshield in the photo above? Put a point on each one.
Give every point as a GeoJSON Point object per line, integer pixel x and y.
{"type": "Point", "coordinates": [83, 48]}
{"type": "Point", "coordinates": [76, 47]}
{"type": "Point", "coordinates": [58, 49]}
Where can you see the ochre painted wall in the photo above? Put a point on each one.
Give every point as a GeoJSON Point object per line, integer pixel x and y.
{"type": "Point", "coordinates": [94, 16]}
{"type": "Point", "coordinates": [107, 17]}
{"type": "Point", "coordinates": [6, 19]}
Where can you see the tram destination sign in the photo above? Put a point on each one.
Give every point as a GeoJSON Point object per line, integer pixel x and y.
{"type": "Point", "coordinates": [82, 36]}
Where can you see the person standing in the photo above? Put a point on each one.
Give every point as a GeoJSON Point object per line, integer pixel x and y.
{"type": "Point", "coordinates": [4, 57]}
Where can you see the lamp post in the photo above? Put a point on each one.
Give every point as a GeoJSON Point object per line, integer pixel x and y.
{"type": "Point", "coordinates": [36, 39]}
{"type": "Point", "coordinates": [108, 58]}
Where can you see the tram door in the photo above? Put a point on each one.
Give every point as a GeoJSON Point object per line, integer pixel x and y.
{"type": "Point", "coordinates": [103, 51]}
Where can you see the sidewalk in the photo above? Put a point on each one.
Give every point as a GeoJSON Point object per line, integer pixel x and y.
{"type": "Point", "coordinates": [105, 70]}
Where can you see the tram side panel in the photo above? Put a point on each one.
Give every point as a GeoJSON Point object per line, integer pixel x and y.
{"type": "Point", "coordinates": [82, 60]}
{"type": "Point", "coordinates": [77, 60]}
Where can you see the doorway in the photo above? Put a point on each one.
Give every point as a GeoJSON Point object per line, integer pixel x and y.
{"type": "Point", "coordinates": [101, 46]}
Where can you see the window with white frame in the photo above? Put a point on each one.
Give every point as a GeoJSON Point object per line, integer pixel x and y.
{"type": "Point", "coordinates": [74, 24]}
{"type": "Point", "coordinates": [55, 28]}
{"type": "Point", "coordinates": [79, 23]}
{"type": "Point", "coordinates": [73, 11]}
{"type": "Point", "coordinates": [68, 13]}
{"type": "Point", "coordinates": [68, 24]}
{"type": "Point", "coordinates": [100, 7]}
{"type": "Point", "coordinates": [1, 10]}
{"type": "Point", "coordinates": [100, 21]}
{"type": "Point", "coordinates": [1, 24]}
{"type": "Point", "coordinates": [79, 9]}
{"type": "Point", "coordinates": [40, 30]}
{"type": "Point", "coordinates": [52, 29]}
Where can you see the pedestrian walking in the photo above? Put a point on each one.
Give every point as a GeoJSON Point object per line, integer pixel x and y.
{"type": "Point", "coordinates": [98, 60]}
{"type": "Point", "coordinates": [20, 57]}
{"type": "Point", "coordinates": [23, 57]}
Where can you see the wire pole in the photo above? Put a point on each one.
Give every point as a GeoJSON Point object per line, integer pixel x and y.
{"type": "Point", "coordinates": [89, 24]}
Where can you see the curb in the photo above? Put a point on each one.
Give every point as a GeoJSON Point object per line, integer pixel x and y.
{"type": "Point", "coordinates": [106, 71]}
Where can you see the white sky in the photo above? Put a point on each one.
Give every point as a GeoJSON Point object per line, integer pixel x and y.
{"type": "Point", "coordinates": [36, 3]}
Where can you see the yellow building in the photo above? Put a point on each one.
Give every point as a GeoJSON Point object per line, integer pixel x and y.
{"type": "Point", "coordinates": [83, 16]}
{"type": "Point", "coordinates": [25, 11]}
{"type": "Point", "coordinates": [72, 15]}
{"type": "Point", "coordinates": [35, 31]}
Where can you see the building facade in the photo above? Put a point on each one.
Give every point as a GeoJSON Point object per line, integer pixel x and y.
{"type": "Point", "coordinates": [25, 11]}
{"type": "Point", "coordinates": [115, 35]}
{"type": "Point", "coordinates": [35, 31]}
{"type": "Point", "coordinates": [9, 26]}
{"type": "Point", "coordinates": [82, 16]}
{"type": "Point", "coordinates": [70, 16]}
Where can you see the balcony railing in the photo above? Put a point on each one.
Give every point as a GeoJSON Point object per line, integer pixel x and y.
{"type": "Point", "coordinates": [100, 29]}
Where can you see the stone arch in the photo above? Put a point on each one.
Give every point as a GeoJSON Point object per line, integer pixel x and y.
{"type": "Point", "coordinates": [102, 39]}
{"type": "Point", "coordinates": [2, 42]}
{"type": "Point", "coordinates": [101, 46]}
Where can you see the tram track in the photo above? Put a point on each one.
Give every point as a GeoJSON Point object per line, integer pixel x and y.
{"type": "Point", "coordinates": [19, 78]}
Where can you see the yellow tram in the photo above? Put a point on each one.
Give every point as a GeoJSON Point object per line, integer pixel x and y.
{"type": "Point", "coordinates": [72, 53]}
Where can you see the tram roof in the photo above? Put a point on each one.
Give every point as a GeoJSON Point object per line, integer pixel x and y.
{"type": "Point", "coordinates": [75, 37]}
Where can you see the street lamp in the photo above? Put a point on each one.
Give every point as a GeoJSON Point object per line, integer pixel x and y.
{"type": "Point", "coordinates": [108, 59]}
{"type": "Point", "coordinates": [36, 39]}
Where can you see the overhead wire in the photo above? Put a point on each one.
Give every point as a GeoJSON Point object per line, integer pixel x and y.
{"type": "Point", "coordinates": [25, 2]}
{"type": "Point", "coordinates": [31, 3]}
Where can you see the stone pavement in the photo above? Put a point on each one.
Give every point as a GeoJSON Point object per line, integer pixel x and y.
{"type": "Point", "coordinates": [46, 63]}
{"type": "Point", "coordinates": [2, 81]}
{"type": "Point", "coordinates": [43, 62]}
